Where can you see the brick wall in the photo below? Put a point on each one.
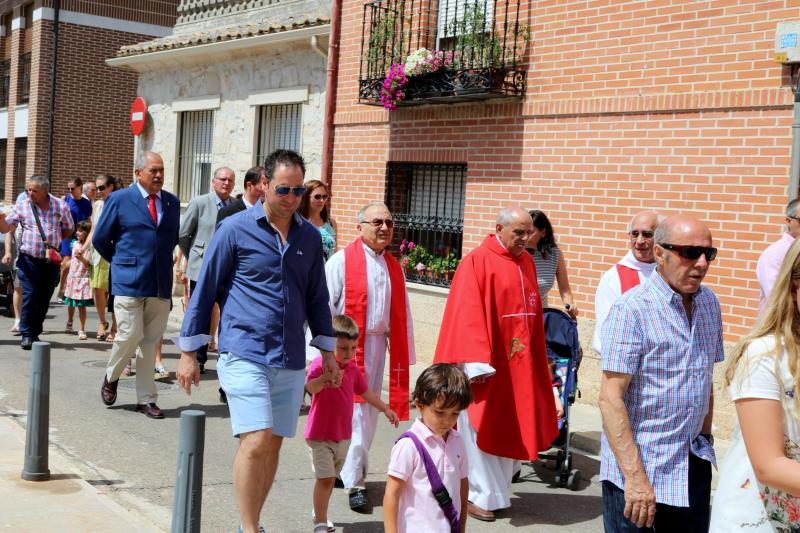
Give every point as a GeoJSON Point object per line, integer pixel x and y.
{"type": "Point", "coordinates": [675, 106]}
{"type": "Point", "coordinates": [91, 133]}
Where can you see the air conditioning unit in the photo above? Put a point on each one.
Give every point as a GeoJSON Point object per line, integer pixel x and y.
{"type": "Point", "coordinates": [787, 42]}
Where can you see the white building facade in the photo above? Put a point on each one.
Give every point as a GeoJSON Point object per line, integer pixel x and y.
{"type": "Point", "coordinates": [232, 83]}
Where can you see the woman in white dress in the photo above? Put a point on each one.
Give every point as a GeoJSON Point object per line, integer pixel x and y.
{"type": "Point", "coordinates": [759, 485]}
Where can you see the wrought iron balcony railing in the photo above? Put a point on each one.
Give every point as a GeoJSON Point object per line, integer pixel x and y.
{"type": "Point", "coordinates": [479, 43]}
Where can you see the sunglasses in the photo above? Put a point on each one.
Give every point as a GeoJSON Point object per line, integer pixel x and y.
{"type": "Point", "coordinates": [320, 197]}
{"type": "Point", "coordinates": [101, 187]}
{"type": "Point", "coordinates": [283, 190]}
{"type": "Point", "coordinates": [646, 234]}
{"type": "Point", "coordinates": [692, 252]}
{"type": "Point", "coordinates": [377, 223]}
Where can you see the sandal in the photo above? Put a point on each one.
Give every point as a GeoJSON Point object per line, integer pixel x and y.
{"type": "Point", "coordinates": [127, 370]}
{"type": "Point", "coordinates": [110, 337]}
{"type": "Point", "coordinates": [328, 527]}
{"type": "Point", "coordinates": [322, 527]}
{"type": "Point", "coordinates": [101, 331]}
{"type": "Point", "coordinates": [81, 335]}
{"type": "Point", "coordinates": [68, 330]}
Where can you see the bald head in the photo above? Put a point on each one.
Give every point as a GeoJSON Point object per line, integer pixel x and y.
{"type": "Point", "coordinates": [514, 227]}
{"type": "Point", "coordinates": [641, 230]}
{"type": "Point", "coordinates": [682, 227]}
{"type": "Point", "coordinates": [679, 238]}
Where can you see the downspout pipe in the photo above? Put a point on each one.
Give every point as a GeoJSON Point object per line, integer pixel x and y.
{"type": "Point", "coordinates": [316, 48]}
{"type": "Point", "coordinates": [53, 72]}
{"type": "Point", "coordinates": [330, 91]}
{"type": "Point", "coordinates": [794, 177]}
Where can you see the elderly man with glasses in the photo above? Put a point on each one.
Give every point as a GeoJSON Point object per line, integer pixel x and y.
{"type": "Point", "coordinates": [633, 269]}
{"type": "Point", "coordinates": [197, 227]}
{"type": "Point", "coordinates": [661, 341]}
{"type": "Point", "coordinates": [367, 283]}
{"type": "Point", "coordinates": [266, 262]}
{"type": "Point", "coordinates": [769, 262]}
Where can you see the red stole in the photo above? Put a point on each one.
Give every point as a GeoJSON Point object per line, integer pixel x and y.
{"type": "Point", "coordinates": [628, 277]}
{"type": "Point", "coordinates": [355, 305]}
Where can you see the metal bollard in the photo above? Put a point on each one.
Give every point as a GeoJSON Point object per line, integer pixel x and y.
{"type": "Point", "coordinates": [189, 478]}
{"type": "Point", "coordinates": [36, 439]}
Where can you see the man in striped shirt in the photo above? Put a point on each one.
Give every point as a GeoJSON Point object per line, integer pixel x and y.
{"type": "Point", "coordinates": [38, 276]}
{"type": "Point", "coordinates": [660, 343]}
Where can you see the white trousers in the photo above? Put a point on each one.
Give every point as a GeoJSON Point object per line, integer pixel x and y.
{"type": "Point", "coordinates": [365, 417]}
{"type": "Point", "coordinates": [489, 475]}
{"type": "Point", "coordinates": [140, 323]}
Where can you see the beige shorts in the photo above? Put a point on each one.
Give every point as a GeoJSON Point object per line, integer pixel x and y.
{"type": "Point", "coordinates": [327, 456]}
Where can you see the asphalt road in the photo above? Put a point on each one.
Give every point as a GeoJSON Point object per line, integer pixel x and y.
{"type": "Point", "coordinates": [133, 458]}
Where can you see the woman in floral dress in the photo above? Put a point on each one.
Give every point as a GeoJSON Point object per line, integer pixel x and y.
{"type": "Point", "coordinates": [759, 485]}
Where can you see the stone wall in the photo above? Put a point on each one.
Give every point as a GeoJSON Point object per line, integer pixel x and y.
{"type": "Point", "coordinates": [233, 79]}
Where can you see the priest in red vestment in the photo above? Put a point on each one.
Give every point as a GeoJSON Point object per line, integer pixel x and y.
{"type": "Point", "coordinates": [493, 323]}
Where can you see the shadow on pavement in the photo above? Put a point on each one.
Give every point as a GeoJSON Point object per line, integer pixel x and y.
{"type": "Point", "coordinates": [556, 509]}
{"type": "Point", "coordinates": [361, 527]}
{"type": "Point", "coordinates": [211, 411]}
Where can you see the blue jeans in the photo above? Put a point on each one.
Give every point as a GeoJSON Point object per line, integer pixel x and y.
{"type": "Point", "coordinates": [38, 278]}
{"type": "Point", "coordinates": [692, 519]}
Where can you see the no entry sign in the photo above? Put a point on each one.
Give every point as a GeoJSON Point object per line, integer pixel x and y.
{"type": "Point", "coordinates": [138, 115]}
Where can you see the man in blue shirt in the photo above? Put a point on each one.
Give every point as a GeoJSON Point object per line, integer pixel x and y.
{"type": "Point", "coordinates": [266, 266]}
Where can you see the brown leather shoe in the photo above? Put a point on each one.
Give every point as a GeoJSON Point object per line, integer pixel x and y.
{"type": "Point", "coordinates": [108, 392]}
{"type": "Point", "coordinates": [150, 410]}
{"type": "Point", "coordinates": [478, 513]}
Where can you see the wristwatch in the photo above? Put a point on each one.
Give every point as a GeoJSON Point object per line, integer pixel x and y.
{"type": "Point", "coordinates": [709, 437]}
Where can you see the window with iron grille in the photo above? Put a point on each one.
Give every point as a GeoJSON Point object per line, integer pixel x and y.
{"type": "Point", "coordinates": [194, 158]}
{"type": "Point", "coordinates": [427, 204]}
{"type": "Point", "coordinates": [24, 78]}
{"type": "Point", "coordinates": [279, 127]}
{"type": "Point", "coordinates": [20, 162]}
{"type": "Point", "coordinates": [5, 82]}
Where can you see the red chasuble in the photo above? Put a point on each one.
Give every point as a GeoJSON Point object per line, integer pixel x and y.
{"type": "Point", "coordinates": [355, 306]}
{"type": "Point", "coordinates": [494, 315]}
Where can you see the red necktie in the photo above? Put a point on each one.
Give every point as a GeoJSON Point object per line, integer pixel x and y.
{"type": "Point", "coordinates": [151, 205]}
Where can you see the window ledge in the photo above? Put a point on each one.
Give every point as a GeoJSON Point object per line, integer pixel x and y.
{"type": "Point", "coordinates": [429, 289]}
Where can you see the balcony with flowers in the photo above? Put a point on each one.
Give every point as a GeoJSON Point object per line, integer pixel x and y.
{"type": "Point", "coordinates": [421, 52]}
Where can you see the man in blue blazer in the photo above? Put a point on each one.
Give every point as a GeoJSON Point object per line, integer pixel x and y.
{"type": "Point", "coordinates": [137, 233]}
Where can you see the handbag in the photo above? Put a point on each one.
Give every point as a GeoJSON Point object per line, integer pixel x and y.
{"type": "Point", "coordinates": [437, 486]}
{"type": "Point", "coordinates": [53, 257]}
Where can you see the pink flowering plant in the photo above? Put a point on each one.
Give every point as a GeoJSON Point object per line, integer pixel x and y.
{"type": "Point", "coordinates": [418, 63]}
{"type": "Point", "coordinates": [418, 260]}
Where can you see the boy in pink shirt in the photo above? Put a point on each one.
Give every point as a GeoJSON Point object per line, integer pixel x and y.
{"type": "Point", "coordinates": [441, 393]}
{"type": "Point", "coordinates": [329, 424]}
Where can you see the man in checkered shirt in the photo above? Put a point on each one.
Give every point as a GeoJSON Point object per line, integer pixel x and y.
{"type": "Point", "coordinates": [660, 343]}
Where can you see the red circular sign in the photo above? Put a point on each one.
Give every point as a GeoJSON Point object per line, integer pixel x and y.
{"type": "Point", "coordinates": [138, 115]}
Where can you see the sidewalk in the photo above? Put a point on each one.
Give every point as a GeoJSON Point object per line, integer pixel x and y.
{"type": "Point", "coordinates": [66, 502]}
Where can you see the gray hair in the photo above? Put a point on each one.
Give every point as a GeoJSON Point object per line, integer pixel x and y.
{"type": "Point", "coordinates": [87, 186]}
{"type": "Point", "coordinates": [220, 169]}
{"type": "Point", "coordinates": [363, 211]}
{"type": "Point", "coordinates": [663, 233]}
{"type": "Point", "coordinates": [791, 208]}
{"type": "Point", "coordinates": [507, 214]}
{"type": "Point", "coordinates": [141, 158]}
{"type": "Point", "coordinates": [40, 180]}
{"type": "Point", "coordinates": [659, 218]}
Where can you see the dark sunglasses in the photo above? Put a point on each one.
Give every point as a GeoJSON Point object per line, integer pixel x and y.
{"type": "Point", "coordinates": [101, 187]}
{"type": "Point", "coordinates": [377, 223]}
{"type": "Point", "coordinates": [692, 252]}
{"type": "Point", "coordinates": [320, 197]}
{"type": "Point", "coordinates": [646, 234]}
{"type": "Point", "coordinates": [283, 190]}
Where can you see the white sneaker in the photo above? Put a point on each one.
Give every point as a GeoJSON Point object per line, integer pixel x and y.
{"type": "Point", "coordinates": [331, 527]}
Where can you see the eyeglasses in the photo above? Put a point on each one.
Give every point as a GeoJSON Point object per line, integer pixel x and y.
{"type": "Point", "coordinates": [646, 234]}
{"type": "Point", "coordinates": [101, 188]}
{"type": "Point", "coordinates": [692, 252]}
{"type": "Point", "coordinates": [796, 219]}
{"type": "Point", "coordinates": [283, 190]}
{"type": "Point", "coordinates": [320, 197]}
{"type": "Point", "coordinates": [225, 180]}
{"type": "Point", "coordinates": [378, 223]}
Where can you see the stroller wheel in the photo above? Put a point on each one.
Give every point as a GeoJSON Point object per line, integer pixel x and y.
{"type": "Point", "coordinates": [574, 479]}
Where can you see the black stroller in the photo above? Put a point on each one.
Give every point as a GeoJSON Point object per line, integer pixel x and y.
{"type": "Point", "coordinates": [564, 354]}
